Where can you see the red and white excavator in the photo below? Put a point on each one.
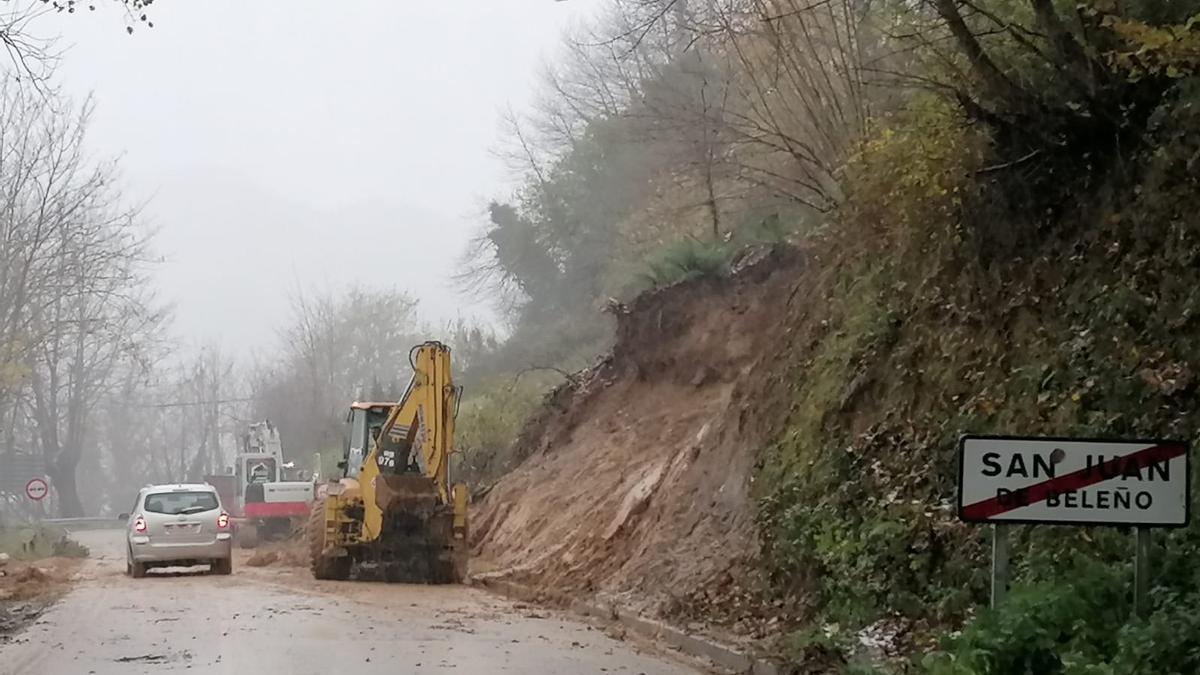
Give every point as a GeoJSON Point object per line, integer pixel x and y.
{"type": "Point", "coordinates": [262, 502]}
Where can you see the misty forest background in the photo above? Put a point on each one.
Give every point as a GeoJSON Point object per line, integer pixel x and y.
{"type": "Point", "coordinates": [666, 135]}
{"type": "Point", "coordinates": [670, 135]}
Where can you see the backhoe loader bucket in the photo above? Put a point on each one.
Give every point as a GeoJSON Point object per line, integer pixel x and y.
{"type": "Point", "coordinates": [418, 542]}
{"type": "Point", "coordinates": [405, 491]}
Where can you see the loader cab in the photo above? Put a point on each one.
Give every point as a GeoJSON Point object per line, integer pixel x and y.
{"type": "Point", "coordinates": [363, 422]}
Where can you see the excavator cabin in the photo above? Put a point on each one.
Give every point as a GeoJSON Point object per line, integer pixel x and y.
{"type": "Point", "coordinates": [363, 422]}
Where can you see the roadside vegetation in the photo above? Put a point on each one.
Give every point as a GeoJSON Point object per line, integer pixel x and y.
{"type": "Point", "coordinates": [1015, 256]}
{"type": "Point", "coordinates": [999, 194]}
{"type": "Point", "coordinates": [33, 541]}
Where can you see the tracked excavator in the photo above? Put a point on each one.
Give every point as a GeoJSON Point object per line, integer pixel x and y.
{"type": "Point", "coordinates": [257, 491]}
{"type": "Point", "coordinates": [393, 513]}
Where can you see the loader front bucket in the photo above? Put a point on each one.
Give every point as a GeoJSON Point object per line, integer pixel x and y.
{"type": "Point", "coordinates": [406, 491]}
{"type": "Point", "coordinates": [416, 542]}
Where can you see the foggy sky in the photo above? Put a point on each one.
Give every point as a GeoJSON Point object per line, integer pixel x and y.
{"type": "Point", "coordinates": [285, 144]}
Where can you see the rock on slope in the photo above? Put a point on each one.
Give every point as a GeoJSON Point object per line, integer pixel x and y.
{"type": "Point", "coordinates": [638, 475]}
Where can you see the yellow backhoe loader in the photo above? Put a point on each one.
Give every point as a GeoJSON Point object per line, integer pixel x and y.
{"type": "Point", "coordinates": [393, 511]}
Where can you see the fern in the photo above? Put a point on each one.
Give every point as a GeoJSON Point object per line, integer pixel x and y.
{"type": "Point", "coordinates": [687, 259]}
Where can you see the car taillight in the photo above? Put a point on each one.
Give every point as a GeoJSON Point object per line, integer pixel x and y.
{"type": "Point", "coordinates": [223, 521]}
{"type": "Point", "coordinates": [139, 524]}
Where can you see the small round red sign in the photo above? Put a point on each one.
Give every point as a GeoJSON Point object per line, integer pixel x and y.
{"type": "Point", "coordinates": [36, 489]}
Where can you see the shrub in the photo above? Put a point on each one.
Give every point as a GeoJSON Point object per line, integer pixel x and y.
{"type": "Point", "coordinates": [489, 420]}
{"type": "Point", "coordinates": [35, 541]}
{"type": "Point", "coordinates": [66, 547]}
{"type": "Point", "coordinates": [1079, 625]}
{"type": "Point", "coordinates": [686, 259]}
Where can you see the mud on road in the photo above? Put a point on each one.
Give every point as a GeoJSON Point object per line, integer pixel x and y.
{"type": "Point", "coordinates": [28, 588]}
{"type": "Point", "coordinates": [278, 621]}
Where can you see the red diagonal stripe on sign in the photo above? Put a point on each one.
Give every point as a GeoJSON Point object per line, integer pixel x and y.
{"type": "Point", "coordinates": [1075, 480]}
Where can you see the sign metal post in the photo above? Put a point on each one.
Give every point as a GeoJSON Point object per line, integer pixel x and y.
{"type": "Point", "coordinates": [999, 563]}
{"type": "Point", "coordinates": [1141, 572]}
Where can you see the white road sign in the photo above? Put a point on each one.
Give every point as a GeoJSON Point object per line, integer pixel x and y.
{"type": "Point", "coordinates": [1073, 481]}
{"type": "Point", "coordinates": [36, 489]}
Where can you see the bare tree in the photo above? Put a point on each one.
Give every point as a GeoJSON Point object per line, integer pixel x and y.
{"type": "Point", "coordinates": [336, 347]}
{"type": "Point", "coordinates": [32, 53]}
{"type": "Point", "coordinates": [71, 273]}
{"type": "Point", "coordinates": [740, 98]}
{"type": "Point", "coordinates": [796, 101]}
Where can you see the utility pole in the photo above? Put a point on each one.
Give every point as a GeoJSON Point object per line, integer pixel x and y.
{"type": "Point", "coordinates": [214, 452]}
{"type": "Point", "coordinates": [182, 453]}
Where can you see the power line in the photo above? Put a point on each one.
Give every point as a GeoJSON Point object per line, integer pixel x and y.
{"type": "Point", "coordinates": [185, 404]}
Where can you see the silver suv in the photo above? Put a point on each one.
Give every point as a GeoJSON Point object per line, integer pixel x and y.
{"type": "Point", "coordinates": [178, 526]}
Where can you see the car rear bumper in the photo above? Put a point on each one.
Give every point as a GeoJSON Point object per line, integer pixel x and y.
{"type": "Point", "coordinates": [197, 553]}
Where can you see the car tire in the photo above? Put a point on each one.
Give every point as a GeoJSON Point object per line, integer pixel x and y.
{"type": "Point", "coordinates": [223, 566]}
{"type": "Point", "coordinates": [137, 570]}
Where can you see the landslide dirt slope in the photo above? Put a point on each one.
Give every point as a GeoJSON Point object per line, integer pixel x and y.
{"type": "Point", "coordinates": [638, 474]}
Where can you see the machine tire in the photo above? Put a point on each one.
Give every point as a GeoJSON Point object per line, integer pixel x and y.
{"type": "Point", "coordinates": [460, 570]}
{"type": "Point", "coordinates": [314, 531]}
{"type": "Point", "coordinates": [460, 556]}
{"type": "Point", "coordinates": [324, 566]}
{"type": "Point", "coordinates": [222, 567]}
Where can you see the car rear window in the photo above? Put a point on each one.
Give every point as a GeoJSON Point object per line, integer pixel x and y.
{"type": "Point", "coordinates": [175, 503]}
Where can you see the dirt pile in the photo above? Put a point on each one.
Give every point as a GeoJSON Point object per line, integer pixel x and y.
{"type": "Point", "coordinates": [290, 552]}
{"type": "Point", "coordinates": [263, 558]}
{"type": "Point", "coordinates": [28, 588]}
{"type": "Point", "coordinates": [26, 580]}
{"type": "Point", "coordinates": [637, 480]}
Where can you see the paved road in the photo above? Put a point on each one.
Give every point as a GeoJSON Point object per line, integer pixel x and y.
{"type": "Point", "coordinates": [267, 621]}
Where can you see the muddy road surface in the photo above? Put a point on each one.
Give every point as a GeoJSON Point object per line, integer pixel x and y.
{"type": "Point", "coordinates": [270, 621]}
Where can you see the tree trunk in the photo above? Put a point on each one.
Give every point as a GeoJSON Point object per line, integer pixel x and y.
{"type": "Point", "coordinates": [63, 479]}
{"type": "Point", "coordinates": [714, 210]}
{"type": "Point", "coordinates": [997, 83]}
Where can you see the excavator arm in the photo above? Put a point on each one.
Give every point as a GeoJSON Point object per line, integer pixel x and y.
{"type": "Point", "coordinates": [410, 452]}
{"type": "Point", "coordinates": [419, 430]}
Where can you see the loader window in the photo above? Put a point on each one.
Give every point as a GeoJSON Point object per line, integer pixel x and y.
{"type": "Point", "coordinates": [358, 442]}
